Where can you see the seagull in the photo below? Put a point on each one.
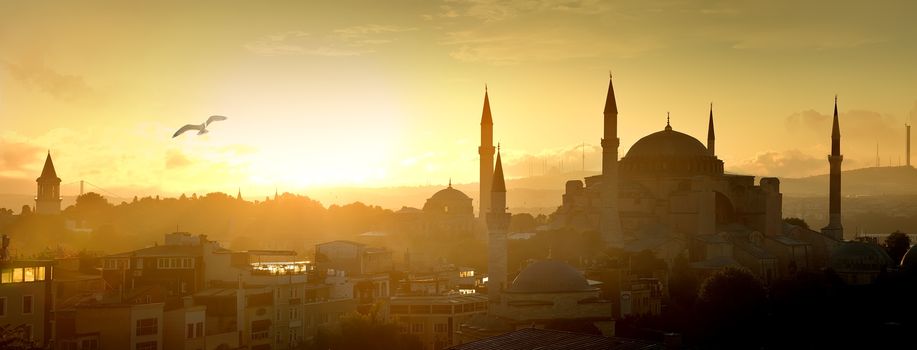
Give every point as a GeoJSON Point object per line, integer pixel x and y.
{"type": "Point", "coordinates": [201, 128]}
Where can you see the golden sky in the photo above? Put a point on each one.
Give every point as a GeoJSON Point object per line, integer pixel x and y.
{"type": "Point", "coordinates": [385, 93]}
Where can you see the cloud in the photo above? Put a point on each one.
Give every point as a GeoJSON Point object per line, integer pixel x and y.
{"type": "Point", "coordinates": [552, 160]}
{"type": "Point", "coordinates": [789, 163]}
{"type": "Point", "coordinates": [349, 41]}
{"type": "Point", "coordinates": [176, 159]}
{"type": "Point", "coordinates": [34, 73]}
{"type": "Point", "coordinates": [538, 45]}
{"type": "Point", "coordinates": [17, 156]}
{"type": "Point", "coordinates": [808, 138]}
{"type": "Point", "coordinates": [499, 10]}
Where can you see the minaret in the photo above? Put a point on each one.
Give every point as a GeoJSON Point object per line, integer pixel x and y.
{"type": "Point", "coordinates": [907, 150]}
{"type": "Point", "coordinates": [239, 194]}
{"type": "Point", "coordinates": [711, 138]}
{"type": "Point", "coordinates": [610, 221]}
{"type": "Point", "coordinates": [47, 200]}
{"type": "Point", "coordinates": [834, 228]}
{"type": "Point", "coordinates": [486, 152]}
{"type": "Point", "coordinates": [497, 225]}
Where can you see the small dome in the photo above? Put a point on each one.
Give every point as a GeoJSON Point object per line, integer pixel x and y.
{"type": "Point", "coordinates": [549, 276]}
{"type": "Point", "coordinates": [859, 256]}
{"type": "Point", "coordinates": [667, 143]}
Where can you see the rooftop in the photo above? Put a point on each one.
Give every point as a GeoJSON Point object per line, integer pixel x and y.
{"type": "Point", "coordinates": [546, 339]}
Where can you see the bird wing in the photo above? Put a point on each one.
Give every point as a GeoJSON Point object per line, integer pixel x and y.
{"type": "Point", "coordinates": [214, 118]}
{"type": "Point", "coordinates": [188, 127]}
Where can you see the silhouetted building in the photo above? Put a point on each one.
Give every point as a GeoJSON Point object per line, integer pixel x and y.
{"type": "Point", "coordinates": [673, 195]}
{"type": "Point", "coordinates": [48, 199]}
{"type": "Point", "coordinates": [25, 299]}
{"type": "Point", "coordinates": [545, 293]}
{"type": "Point", "coordinates": [435, 319]}
{"type": "Point", "coordinates": [535, 338]}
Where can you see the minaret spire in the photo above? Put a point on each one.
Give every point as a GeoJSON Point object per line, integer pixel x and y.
{"type": "Point", "coordinates": [610, 220]}
{"type": "Point", "coordinates": [835, 228]}
{"type": "Point", "coordinates": [486, 153]}
{"type": "Point", "coordinates": [711, 137]}
{"type": "Point", "coordinates": [497, 225]}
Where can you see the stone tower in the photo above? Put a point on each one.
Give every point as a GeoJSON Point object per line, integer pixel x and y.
{"type": "Point", "coordinates": [47, 200]}
{"type": "Point", "coordinates": [834, 228]}
{"type": "Point", "coordinates": [711, 137]}
{"type": "Point", "coordinates": [486, 152]}
{"type": "Point", "coordinates": [610, 221]}
{"type": "Point", "coordinates": [497, 226]}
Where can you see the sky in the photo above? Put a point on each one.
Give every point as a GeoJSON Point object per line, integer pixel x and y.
{"type": "Point", "coordinates": [389, 93]}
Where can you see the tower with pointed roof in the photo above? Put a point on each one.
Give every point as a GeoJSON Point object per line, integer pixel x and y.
{"type": "Point", "coordinates": [497, 226]}
{"type": "Point", "coordinates": [486, 153]}
{"type": "Point", "coordinates": [834, 228]}
{"type": "Point", "coordinates": [610, 220]}
{"type": "Point", "coordinates": [47, 200]}
{"type": "Point", "coordinates": [711, 137]}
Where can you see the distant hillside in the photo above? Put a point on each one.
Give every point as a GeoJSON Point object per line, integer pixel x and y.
{"type": "Point", "coordinates": [901, 180]}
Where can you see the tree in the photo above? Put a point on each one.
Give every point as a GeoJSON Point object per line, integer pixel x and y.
{"type": "Point", "coordinates": [523, 222]}
{"type": "Point", "coordinates": [797, 222]}
{"type": "Point", "coordinates": [896, 244]}
{"type": "Point", "coordinates": [731, 304]}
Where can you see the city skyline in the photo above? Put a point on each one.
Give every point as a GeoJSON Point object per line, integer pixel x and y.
{"type": "Point", "coordinates": [419, 72]}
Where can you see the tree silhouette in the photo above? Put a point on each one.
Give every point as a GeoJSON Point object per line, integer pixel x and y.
{"type": "Point", "coordinates": [732, 304]}
{"type": "Point", "coordinates": [796, 221]}
{"type": "Point", "coordinates": [896, 244]}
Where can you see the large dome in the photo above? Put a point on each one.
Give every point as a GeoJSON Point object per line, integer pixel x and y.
{"type": "Point", "coordinates": [669, 153]}
{"type": "Point", "coordinates": [549, 276]}
{"type": "Point", "coordinates": [449, 194]}
{"type": "Point", "coordinates": [667, 143]}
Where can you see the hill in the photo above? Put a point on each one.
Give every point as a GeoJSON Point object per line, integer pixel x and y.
{"type": "Point", "coordinates": [900, 180]}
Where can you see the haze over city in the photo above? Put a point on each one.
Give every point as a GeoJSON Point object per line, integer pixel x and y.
{"type": "Point", "coordinates": [388, 94]}
{"type": "Point", "coordinates": [457, 175]}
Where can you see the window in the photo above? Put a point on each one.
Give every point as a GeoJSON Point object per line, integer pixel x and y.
{"type": "Point", "coordinates": [292, 336]}
{"type": "Point", "coordinates": [189, 331]}
{"type": "Point", "coordinates": [138, 263]}
{"type": "Point", "coordinates": [294, 313]}
{"type": "Point", "coordinates": [6, 276]}
{"type": "Point", "coordinates": [26, 304]}
{"type": "Point", "coordinates": [115, 264]}
{"type": "Point", "coordinates": [174, 263]}
{"type": "Point", "coordinates": [147, 326]}
{"type": "Point", "coordinates": [416, 327]}
{"type": "Point", "coordinates": [147, 345]}
{"type": "Point", "coordinates": [17, 275]}
{"type": "Point", "coordinates": [200, 329]}
{"type": "Point", "coordinates": [278, 338]}
{"type": "Point", "coordinates": [29, 274]}
{"type": "Point", "coordinates": [2, 306]}
{"type": "Point", "coordinates": [90, 344]}
{"type": "Point", "coordinates": [439, 328]}
{"type": "Point", "coordinates": [27, 332]}
{"type": "Point", "coordinates": [469, 273]}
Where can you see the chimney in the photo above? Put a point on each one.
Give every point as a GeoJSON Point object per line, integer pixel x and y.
{"type": "Point", "coordinates": [907, 150]}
